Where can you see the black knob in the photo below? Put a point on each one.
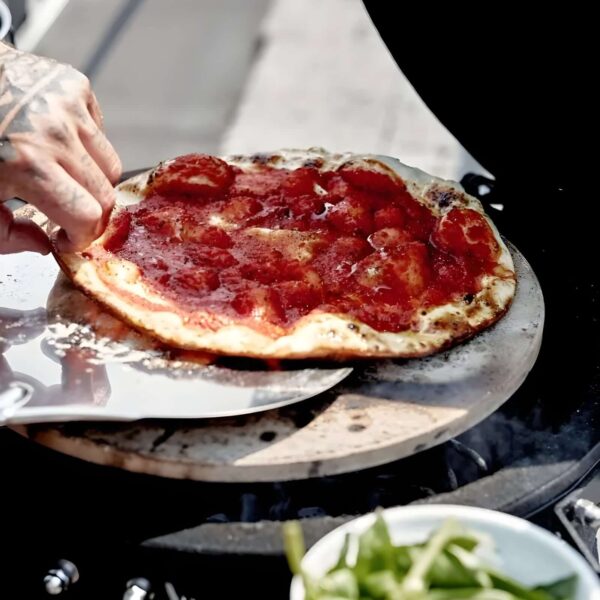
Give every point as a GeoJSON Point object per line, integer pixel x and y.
{"type": "Point", "coordinates": [59, 579]}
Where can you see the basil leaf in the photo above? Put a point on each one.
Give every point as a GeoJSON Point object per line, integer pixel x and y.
{"type": "Point", "coordinates": [380, 586]}
{"type": "Point", "coordinates": [469, 594]}
{"type": "Point", "coordinates": [375, 550]}
{"type": "Point", "coordinates": [415, 582]}
{"type": "Point", "coordinates": [468, 542]}
{"type": "Point", "coordinates": [293, 543]}
{"type": "Point", "coordinates": [472, 564]}
{"type": "Point", "coordinates": [403, 558]}
{"type": "Point", "coordinates": [342, 562]}
{"type": "Point", "coordinates": [563, 589]}
{"type": "Point", "coordinates": [340, 584]}
{"type": "Point", "coordinates": [448, 572]}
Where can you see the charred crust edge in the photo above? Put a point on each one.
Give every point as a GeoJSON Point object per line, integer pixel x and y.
{"type": "Point", "coordinates": [444, 197]}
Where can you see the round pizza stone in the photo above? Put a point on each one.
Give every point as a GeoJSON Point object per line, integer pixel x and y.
{"type": "Point", "coordinates": [384, 411]}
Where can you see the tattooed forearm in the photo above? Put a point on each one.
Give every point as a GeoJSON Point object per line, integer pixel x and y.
{"type": "Point", "coordinates": [26, 81]}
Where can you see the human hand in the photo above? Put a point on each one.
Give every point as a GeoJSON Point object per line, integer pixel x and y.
{"type": "Point", "coordinates": [53, 153]}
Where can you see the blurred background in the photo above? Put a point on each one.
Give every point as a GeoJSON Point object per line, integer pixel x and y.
{"type": "Point", "coordinates": [224, 76]}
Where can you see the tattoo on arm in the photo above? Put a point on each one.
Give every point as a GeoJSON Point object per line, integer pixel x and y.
{"type": "Point", "coordinates": [25, 82]}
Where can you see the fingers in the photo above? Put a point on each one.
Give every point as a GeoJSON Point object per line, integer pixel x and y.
{"type": "Point", "coordinates": [20, 235]}
{"type": "Point", "coordinates": [65, 182]}
{"type": "Point", "coordinates": [89, 158]}
{"type": "Point", "coordinates": [103, 154]}
{"type": "Point", "coordinates": [81, 167]}
{"type": "Point", "coordinates": [70, 189]}
{"type": "Point", "coordinates": [95, 112]}
{"type": "Point", "coordinates": [97, 145]}
{"type": "Point", "coordinates": [69, 205]}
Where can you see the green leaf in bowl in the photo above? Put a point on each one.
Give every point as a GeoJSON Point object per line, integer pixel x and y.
{"type": "Point", "coordinates": [563, 589]}
{"type": "Point", "coordinates": [342, 562]}
{"type": "Point", "coordinates": [340, 584]}
{"type": "Point", "coordinates": [380, 586]}
{"type": "Point", "coordinates": [375, 550]}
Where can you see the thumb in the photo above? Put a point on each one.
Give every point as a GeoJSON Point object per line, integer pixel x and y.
{"type": "Point", "coordinates": [20, 235]}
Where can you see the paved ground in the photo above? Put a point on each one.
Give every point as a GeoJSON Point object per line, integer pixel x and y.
{"type": "Point", "coordinates": [247, 75]}
{"type": "Point", "coordinates": [170, 81]}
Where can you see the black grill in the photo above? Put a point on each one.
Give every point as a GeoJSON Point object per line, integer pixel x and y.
{"type": "Point", "coordinates": [522, 459]}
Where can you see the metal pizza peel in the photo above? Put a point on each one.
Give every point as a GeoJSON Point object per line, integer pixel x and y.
{"type": "Point", "coordinates": [53, 368]}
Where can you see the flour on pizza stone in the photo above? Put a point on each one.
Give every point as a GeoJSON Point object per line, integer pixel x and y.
{"type": "Point", "coordinates": [119, 285]}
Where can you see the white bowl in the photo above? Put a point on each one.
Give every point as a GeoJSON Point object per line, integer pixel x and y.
{"type": "Point", "coordinates": [525, 551]}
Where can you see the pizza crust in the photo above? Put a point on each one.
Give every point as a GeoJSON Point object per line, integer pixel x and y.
{"type": "Point", "coordinates": [316, 334]}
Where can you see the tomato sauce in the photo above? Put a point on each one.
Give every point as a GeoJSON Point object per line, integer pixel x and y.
{"type": "Point", "coordinates": [268, 247]}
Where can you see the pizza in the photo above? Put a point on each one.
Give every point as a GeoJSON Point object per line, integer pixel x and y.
{"type": "Point", "coordinates": [298, 254]}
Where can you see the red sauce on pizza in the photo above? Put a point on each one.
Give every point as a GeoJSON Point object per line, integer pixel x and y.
{"type": "Point", "coordinates": [268, 247]}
